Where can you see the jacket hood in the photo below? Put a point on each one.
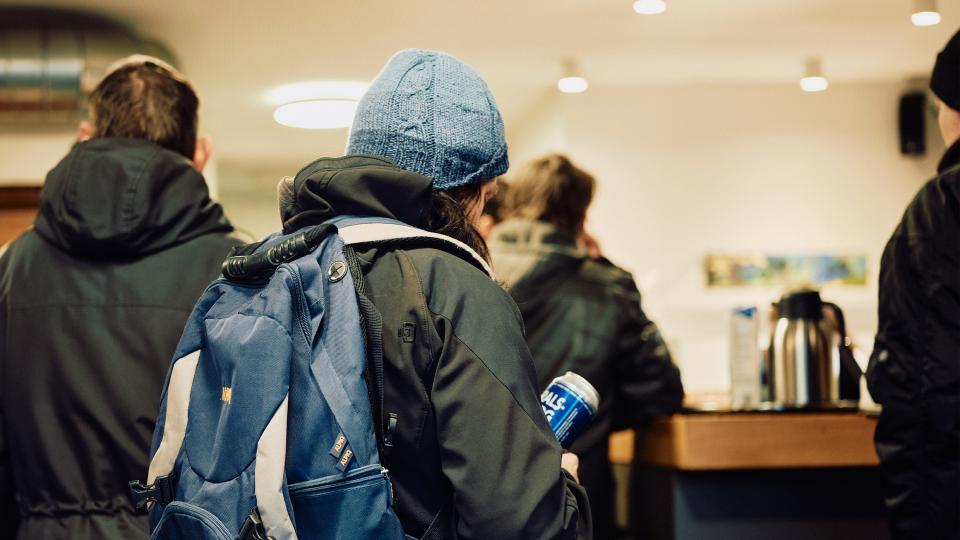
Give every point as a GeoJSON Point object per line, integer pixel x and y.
{"type": "Point", "coordinates": [529, 252]}
{"type": "Point", "coordinates": [356, 185]}
{"type": "Point", "coordinates": [114, 198]}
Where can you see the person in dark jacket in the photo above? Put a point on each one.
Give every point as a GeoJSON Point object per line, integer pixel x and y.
{"type": "Point", "coordinates": [472, 454]}
{"type": "Point", "coordinates": [92, 303]}
{"type": "Point", "coordinates": [914, 371]}
{"type": "Point", "coordinates": [583, 315]}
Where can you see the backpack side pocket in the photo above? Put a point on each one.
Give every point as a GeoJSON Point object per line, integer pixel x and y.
{"type": "Point", "coordinates": [359, 504]}
{"type": "Point", "coordinates": [182, 521]}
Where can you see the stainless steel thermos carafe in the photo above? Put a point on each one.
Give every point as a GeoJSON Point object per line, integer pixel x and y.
{"type": "Point", "coordinates": [810, 365]}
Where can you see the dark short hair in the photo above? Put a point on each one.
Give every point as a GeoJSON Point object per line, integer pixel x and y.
{"type": "Point", "coordinates": [551, 189]}
{"type": "Point", "coordinates": [147, 101]}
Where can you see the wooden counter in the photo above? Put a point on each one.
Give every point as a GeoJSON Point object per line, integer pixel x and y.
{"type": "Point", "coordinates": [731, 441]}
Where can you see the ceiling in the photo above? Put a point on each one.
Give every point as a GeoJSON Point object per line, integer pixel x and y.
{"type": "Point", "coordinates": [235, 51]}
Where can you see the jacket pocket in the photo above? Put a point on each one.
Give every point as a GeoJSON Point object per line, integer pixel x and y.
{"type": "Point", "coordinates": [358, 505]}
{"type": "Point", "coordinates": [182, 521]}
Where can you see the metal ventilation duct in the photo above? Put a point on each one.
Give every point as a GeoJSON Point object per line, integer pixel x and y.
{"type": "Point", "coordinates": [51, 59]}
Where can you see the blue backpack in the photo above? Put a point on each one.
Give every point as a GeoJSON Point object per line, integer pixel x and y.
{"type": "Point", "coordinates": [266, 426]}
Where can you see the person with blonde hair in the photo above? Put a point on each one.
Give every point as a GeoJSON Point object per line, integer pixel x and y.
{"type": "Point", "coordinates": [582, 314]}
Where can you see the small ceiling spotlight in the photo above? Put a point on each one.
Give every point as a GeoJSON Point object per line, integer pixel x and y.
{"type": "Point", "coordinates": [925, 13]}
{"type": "Point", "coordinates": [813, 79]}
{"type": "Point", "coordinates": [649, 7]}
{"type": "Point", "coordinates": [571, 82]}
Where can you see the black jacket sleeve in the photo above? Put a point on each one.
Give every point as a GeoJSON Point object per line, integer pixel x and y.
{"type": "Point", "coordinates": [648, 382]}
{"type": "Point", "coordinates": [497, 450]}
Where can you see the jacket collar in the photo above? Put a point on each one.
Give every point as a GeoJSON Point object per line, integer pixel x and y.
{"type": "Point", "coordinates": [120, 198]}
{"type": "Point", "coordinates": [950, 158]}
{"type": "Point", "coordinates": [357, 185]}
{"type": "Point", "coordinates": [528, 254]}
{"type": "Point", "coordinates": [532, 234]}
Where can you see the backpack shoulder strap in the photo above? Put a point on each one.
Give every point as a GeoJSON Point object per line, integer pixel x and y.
{"type": "Point", "coordinates": [394, 232]}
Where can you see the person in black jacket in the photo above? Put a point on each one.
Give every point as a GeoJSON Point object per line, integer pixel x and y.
{"type": "Point", "coordinates": [472, 454]}
{"type": "Point", "coordinates": [92, 303]}
{"type": "Point", "coordinates": [582, 314]}
{"type": "Point", "coordinates": [914, 370]}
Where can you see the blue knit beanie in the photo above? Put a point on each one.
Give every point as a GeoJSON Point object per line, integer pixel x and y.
{"type": "Point", "coordinates": [432, 114]}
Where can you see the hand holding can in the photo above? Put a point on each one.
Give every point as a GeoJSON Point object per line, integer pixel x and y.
{"type": "Point", "coordinates": [569, 403]}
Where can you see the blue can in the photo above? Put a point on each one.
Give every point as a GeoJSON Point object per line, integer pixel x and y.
{"type": "Point", "coordinates": [569, 403]}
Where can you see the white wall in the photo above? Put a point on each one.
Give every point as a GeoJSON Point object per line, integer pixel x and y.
{"type": "Point", "coordinates": [27, 155]}
{"type": "Point", "coordinates": [248, 193]}
{"type": "Point", "coordinates": [688, 170]}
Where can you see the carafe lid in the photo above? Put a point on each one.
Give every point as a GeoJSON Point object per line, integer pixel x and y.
{"type": "Point", "coordinates": [804, 304]}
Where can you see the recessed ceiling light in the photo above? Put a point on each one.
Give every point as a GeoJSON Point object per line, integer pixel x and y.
{"type": "Point", "coordinates": [649, 7]}
{"type": "Point", "coordinates": [925, 13]}
{"type": "Point", "coordinates": [813, 79]}
{"type": "Point", "coordinates": [316, 104]}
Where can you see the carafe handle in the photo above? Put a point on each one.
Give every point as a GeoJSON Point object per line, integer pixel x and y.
{"type": "Point", "coordinates": [850, 385]}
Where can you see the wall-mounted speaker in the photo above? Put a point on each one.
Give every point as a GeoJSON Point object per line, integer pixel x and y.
{"type": "Point", "coordinates": [913, 127]}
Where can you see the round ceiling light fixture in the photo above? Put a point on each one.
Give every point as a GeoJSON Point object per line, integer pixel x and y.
{"type": "Point", "coordinates": [316, 114]}
{"type": "Point", "coordinates": [317, 104]}
{"type": "Point", "coordinates": [571, 82]}
{"type": "Point", "coordinates": [813, 79]}
{"type": "Point", "coordinates": [572, 85]}
{"type": "Point", "coordinates": [925, 13]}
{"type": "Point", "coordinates": [649, 7]}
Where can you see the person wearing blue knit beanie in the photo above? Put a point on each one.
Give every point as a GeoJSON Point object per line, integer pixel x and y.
{"type": "Point", "coordinates": [432, 114]}
{"type": "Point", "coordinates": [429, 113]}
{"type": "Point", "coordinates": [467, 445]}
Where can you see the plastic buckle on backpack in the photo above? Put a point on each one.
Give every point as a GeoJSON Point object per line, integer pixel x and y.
{"type": "Point", "coordinates": [160, 492]}
{"type": "Point", "coordinates": [391, 429]}
{"type": "Point", "coordinates": [252, 528]}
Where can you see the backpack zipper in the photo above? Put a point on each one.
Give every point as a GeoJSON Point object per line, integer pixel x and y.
{"type": "Point", "coordinates": [362, 474]}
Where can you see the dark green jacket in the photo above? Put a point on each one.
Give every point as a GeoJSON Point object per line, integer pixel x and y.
{"type": "Point", "coordinates": [915, 367]}
{"type": "Point", "coordinates": [584, 315]}
{"type": "Point", "coordinates": [458, 375]}
{"type": "Point", "coordinates": [92, 304]}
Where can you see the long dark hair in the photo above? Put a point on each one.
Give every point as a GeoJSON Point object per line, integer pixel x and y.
{"type": "Point", "coordinates": [448, 215]}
